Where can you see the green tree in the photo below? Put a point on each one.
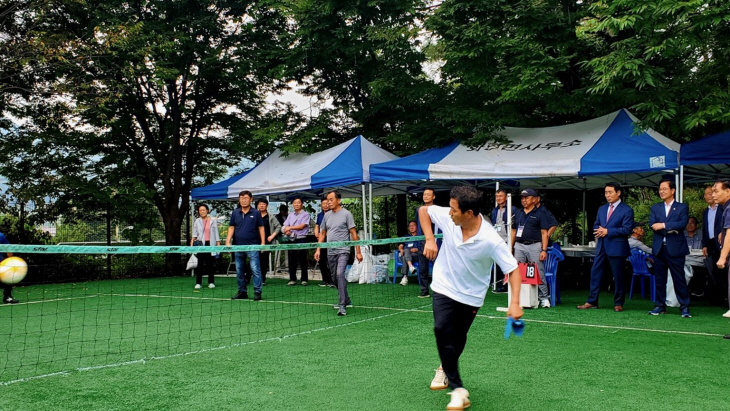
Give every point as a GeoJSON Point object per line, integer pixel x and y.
{"type": "Point", "coordinates": [140, 98]}
{"type": "Point", "coordinates": [515, 63]}
{"type": "Point", "coordinates": [669, 57]}
{"type": "Point", "coordinates": [364, 62]}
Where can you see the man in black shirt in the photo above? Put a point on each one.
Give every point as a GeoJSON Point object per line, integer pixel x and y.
{"type": "Point", "coordinates": [530, 239]}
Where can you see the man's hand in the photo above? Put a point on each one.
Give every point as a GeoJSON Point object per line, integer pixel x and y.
{"type": "Point", "coordinates": [359, 256]}
{"type": "Point", "coordinates": [600, 232]}
{"type": "Point", "coordinates": [430, 250]}
{"type": "Point", "coordinates": [316, 255]}
{"type": "Point", "coordinates": [658, 226]}
{"type": "Point", "coordinates": [515, 311]}
{"type": "Point", "coordinates": [543, 256]}
{"type": "Point", "coordinates": [414, 250]}
{"type": "Point", "coordinates": [721, 262]}
{"type": "Point", "coordinates": [704, 251]}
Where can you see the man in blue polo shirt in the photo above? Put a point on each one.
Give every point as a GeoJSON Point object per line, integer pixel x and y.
{"type": "Point", "coordinates": [530, 239]}
{"type": "Point", "coordinates": [248, 227]}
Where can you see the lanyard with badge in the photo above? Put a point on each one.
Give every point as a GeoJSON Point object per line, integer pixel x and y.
{"type": "Point", "coordinates": [521, 226]}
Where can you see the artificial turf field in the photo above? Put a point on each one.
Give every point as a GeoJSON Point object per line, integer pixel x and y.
{"type": "Point", "coordinates": [155, 344]}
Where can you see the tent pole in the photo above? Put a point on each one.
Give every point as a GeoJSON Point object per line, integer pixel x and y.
{"type": "Point", "coordinates": [677, 193]}
{"type": "Point", "coordinates": [370, 215]}
{"type": "Point", "coordinates": [681, 184]}
{"type": "Point", "coordinates": [584, 226]}
{"type": "Point", "coordinates": [494, 266]}
{"type": "Point", "coordinates": [364, 213]}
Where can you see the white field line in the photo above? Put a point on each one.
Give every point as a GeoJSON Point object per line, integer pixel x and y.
{"type": "Point", "coordinates": [50, 300]}
{"type": "Point", "coordinates": [205, 350]}
{"type": "Point", "coordinates": [398, 311]}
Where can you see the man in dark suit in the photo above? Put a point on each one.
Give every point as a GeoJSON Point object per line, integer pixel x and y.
{"type": "Point", "coordinates": [613, 226]}
{"type": "Point", "coordinates": [711, 229]}
{"type": "Point", "coordinates": [668, 220]}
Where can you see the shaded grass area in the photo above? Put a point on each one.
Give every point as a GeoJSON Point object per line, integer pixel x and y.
{"type": "Point", "coordinates": [378, 358]}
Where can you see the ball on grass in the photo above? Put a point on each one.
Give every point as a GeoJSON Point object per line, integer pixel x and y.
{"type": "Point", "coordinates": [13, 270]}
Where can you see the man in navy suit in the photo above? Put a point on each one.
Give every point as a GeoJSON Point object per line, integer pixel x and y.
{"type": "Point", "coordinates": [668, 220]}
{"type": "Point", "coordinates": [711, 229]}
{"type": "Point", "coordinates": [613, 226]}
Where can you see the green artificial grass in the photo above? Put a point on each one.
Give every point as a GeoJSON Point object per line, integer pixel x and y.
{"type": "Point", "coordinates": [155, 344]}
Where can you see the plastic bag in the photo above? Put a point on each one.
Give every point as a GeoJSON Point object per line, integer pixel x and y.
{"type": "Point", "coordinates": [192, 262]}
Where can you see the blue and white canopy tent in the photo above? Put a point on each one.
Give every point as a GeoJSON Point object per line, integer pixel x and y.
{"type": "Point", "coordinates": [344, 167]}
{"type": "Point", "coordinates": [581, 155]}
{"type": "Point", "coordinates": [574, 156]}
{"type": "Point", "coordinates": [706, 159]}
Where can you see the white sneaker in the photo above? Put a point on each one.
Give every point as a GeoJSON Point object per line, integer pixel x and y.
{"type": "Point", "coordinates": [412, 269]}
{"type": "Point", "coordinates": [439, 382]}
{"type": "Point", "coordinates": [727, 314]}
{"type": "Point", "coordinates": [211, 285]}
{"type": "Point", "coordinates": [198, 286]}
{"type": "Point", "coordinates": [545, 303]}
{"type": "Point", "coordinates": [404, 281]}
{"type": "Point", "coordinates": [459, 399]}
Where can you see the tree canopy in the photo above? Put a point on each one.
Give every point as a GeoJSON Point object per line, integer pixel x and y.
{"type": "Point", "coordinates": [134, 103]}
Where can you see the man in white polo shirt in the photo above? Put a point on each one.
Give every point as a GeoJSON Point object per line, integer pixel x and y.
{"type": "Point", "coordinates": [461, 276]}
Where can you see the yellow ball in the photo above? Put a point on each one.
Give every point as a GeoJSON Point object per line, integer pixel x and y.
{"type": "Point", "coordinates": [13, 270]}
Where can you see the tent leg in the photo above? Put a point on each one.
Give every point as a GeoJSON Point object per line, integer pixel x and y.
{"type": "Point", "coordinates": [681, 184]}
{"type": "Point", "coordinates": [364, 213]}
{"type": "Point", "coordinates": [494, 266]}
{"type": "Point", "coordinates": [585, 222]}
{"type": "Point", "coordinates": [370, 215]}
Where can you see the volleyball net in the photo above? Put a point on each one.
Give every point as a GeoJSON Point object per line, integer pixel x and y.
{"type": "Point", "coordinates": [85, 307]}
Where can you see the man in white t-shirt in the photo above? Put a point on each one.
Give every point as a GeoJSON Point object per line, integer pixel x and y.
{"type": "Point", "coordinates": [461, 276]}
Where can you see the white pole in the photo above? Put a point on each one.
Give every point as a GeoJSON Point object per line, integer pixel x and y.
{"type": "Point", "coordinates": [364, 213]}
{"type": "Point", "coordinates": [681, 184]}
{"type": "Point", "coordinates": [585, 222]}
{"type": "Point", "coordinates": [271, 255]}
{"type": "Point", "coordinates": [677, 193]}
{"type": "Point", "coordinates": [370, 216]}
{"type": "Point", "coordinates": [509, 220]}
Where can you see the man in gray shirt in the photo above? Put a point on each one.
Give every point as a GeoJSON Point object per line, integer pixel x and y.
{"type": "Point", "coordinates": [338, 225]}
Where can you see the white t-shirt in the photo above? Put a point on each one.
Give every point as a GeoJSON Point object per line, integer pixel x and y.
{"type": "Point", "coordinates": [462, 270]}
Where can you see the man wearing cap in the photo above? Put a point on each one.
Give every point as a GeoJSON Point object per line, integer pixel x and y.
{"type": "Point", "coordinates": [530, 239]}
{"type": "Point", "coordinates": [613, 226]}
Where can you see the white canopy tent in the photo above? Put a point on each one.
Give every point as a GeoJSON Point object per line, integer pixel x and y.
{"type": "Point", "coordinates": [281, 177]}
{"type": "Point", "coordinates": [581, 155]}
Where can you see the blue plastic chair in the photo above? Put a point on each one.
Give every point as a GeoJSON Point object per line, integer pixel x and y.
{"type": "Point", "coordinates": [641, 271]}
{"type": "Point", "coordinates": [554, 256]}
{"type": "Point", "coordinates": [398, 264]}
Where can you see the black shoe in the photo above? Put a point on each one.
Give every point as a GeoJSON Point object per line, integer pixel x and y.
{"type": "Point", "coordinates": [324, 284]}
{"type": "Point", "coordinates": [10, 300]}
{"type": "Point", "coordinates": [657, 311]}
{"type": "Point", "coordinates": [685, 313]}
{"type": "Point", "coordinates": [727, 337]}
{"type": "Point", "coordinates": [424, 294]}
{"type": "Point", "coordinates": [257, 296]}
{"type": "Point", "coordinates": [240, 296]}
{"type": "Point", "coordinates": [500, 291]}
